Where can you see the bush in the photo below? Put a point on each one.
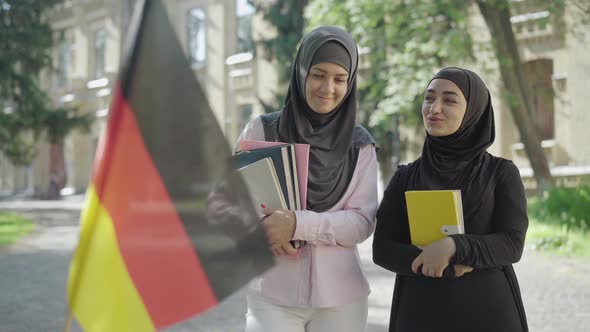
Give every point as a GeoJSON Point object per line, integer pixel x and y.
{"type": "Point", "coordinates": [13, 227]}
{"type": "Point", "coordinates": [569, 207]}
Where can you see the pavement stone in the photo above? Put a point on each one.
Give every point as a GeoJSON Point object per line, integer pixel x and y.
{"type": "Point", "coordinates": [33, 273]}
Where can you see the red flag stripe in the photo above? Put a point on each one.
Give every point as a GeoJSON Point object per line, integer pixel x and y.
{"type": "Point", "coordinates": [157, 251]}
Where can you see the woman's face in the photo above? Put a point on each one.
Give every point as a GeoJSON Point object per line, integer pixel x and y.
{"type": "Point", "coordinates": [325, 86]}
{"type": "Point", "coordinates": [443, 108]}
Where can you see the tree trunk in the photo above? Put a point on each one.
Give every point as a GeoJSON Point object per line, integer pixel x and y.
{"type": "Point", "coordinates": [387, 164]}
{"type": "Point", "coordinates": [389, 154]}
{"type": "Point", "coordinates": [497, 17]}
{"type": "Point", "coordinates": [57, 170]}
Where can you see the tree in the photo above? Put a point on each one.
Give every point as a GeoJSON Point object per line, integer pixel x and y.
{"type": "Point", "coordinates": [26, 115]}
{"type": "Point", "coordinates": [583, 6]}
{"type": "Point", "coordinates": [516, 90]}
{"type": "Point", "coordinates": [422, 36]}
{"type": "Point", "coordinates": [402, 41]}
{"type": "Point", "coordinates": [58, 124]}
{"type": "Point", "coordinates": [287, 18]}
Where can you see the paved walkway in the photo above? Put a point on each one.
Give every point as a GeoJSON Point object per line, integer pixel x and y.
{"type": "Point", "coordinates": [33, 274]}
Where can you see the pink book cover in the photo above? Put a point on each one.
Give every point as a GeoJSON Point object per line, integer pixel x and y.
{"type": "Point", "coordinates": [301, 159]}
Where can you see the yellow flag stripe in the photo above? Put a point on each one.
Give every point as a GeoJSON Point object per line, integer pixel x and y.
{"type": "Point", "coordinates": [101, 294]}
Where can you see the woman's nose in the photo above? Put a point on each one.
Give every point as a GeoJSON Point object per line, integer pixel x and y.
{"type": "Point", "coordinates": [327, 86]}
{"type": "Point", "coordinates": [435, 107]}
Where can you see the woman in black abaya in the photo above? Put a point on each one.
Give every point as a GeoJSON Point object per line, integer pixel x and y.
{"type": "Point", "coordinates": [464, 282]}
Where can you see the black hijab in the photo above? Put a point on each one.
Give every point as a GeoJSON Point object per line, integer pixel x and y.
{"type": "Point", "coordinates": [334, 138]}
{"type": "Point", "coordinates": [457, 161]}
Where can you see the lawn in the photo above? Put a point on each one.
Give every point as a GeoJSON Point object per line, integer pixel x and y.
{"type": "Point", "coordinates": [13, 227]}
{"type": "Point", "coordinates": [560, 220]}
{"type": "Point", "coordinates": [554, 238]}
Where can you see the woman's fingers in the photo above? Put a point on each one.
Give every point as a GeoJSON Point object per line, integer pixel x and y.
{"type": "Point", "coordinates": [286, 249]}
{"type": "Point", "coordinates": [439, 272]}
{"type": "Point", "coordinates": [279, 250]}
{"type": "Point", "coordinates": [460, 269]}
{"type": "Point", "coordinates": [289, 249]}
{"type": "Point", "coordinates": [428, 270]}
{"type": "Point", "coordinates": [431, 271]}
{"type": "Point", "coordinates": [416, 264]}
{"type": "Point", "coordinates": [434, 258]}
{"type": "Point", "coordinates": [267, 211]}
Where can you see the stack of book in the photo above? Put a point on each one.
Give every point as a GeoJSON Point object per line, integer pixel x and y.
{"type": "Point", "coordinates": [275, 174]}
{"type": "Point", "coordinates": [434, 214]}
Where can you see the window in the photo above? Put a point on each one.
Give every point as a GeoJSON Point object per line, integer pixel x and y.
{"type": "Point", "coordinates": [245, 115]}
{"type": "Point", "coordinates": [99, 53]}
{"type": "Point", "coordinates": [245, 12]}
{"type": "Point", "coordinates": [245, 42]}
{"type": "Point", "coordinates": [64, 62]}
{"type": "Point", "coordinates": [197, 41]}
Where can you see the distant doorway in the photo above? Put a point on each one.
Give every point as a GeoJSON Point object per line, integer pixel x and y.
{"type": "Point", "coordinates": [538, 74]}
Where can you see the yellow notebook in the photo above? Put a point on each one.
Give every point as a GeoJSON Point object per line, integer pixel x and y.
{"type": "Point", "coordinates": [434, 214]}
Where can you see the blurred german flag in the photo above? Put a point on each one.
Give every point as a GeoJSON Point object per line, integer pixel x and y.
{"type": "Point", "coordinates": [161, 240]}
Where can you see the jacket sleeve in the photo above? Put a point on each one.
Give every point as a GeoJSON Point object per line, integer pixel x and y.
{"type": "Point", "coordinates": [391, 243]}
{"type": "Point", "coordinates": [510, 221]}
{"type": "Point", "coordinates": [355, 222]}
{"type": "Point", "coordinates": [392, 248]}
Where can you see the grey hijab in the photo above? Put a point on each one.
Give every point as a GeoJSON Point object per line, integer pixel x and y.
{"type": "Point", "coordinates": [335, 139]}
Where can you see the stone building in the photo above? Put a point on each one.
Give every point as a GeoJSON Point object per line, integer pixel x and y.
{"type": "Point", "coordinates": [217, 37]}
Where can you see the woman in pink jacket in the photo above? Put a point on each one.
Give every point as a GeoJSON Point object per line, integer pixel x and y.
{"type": "Point", "coordinates": [324, 289]}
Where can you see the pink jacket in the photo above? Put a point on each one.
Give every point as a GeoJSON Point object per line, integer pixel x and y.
{"type": "Point", "coordinates": [327, 272]}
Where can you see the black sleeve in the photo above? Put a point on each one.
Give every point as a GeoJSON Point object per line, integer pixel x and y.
{"type": "Point", "coordinates": [391, 242]}
{"type": "Point", "coordinates": [510, 221]}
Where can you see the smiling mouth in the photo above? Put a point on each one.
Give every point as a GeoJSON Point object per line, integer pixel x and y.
{"type": "Point", "coordinates": [323, 98]}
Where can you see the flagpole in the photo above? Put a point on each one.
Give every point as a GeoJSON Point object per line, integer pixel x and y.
{"type": "Point", "coordinates": [69, 320]}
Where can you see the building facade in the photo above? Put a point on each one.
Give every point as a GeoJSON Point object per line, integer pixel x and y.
{"type": "Point", "coordinates": [553, 45]}
{"type": "Point", "coordinates": [217, 39]}
{"type": "Point", "coordinates": [220, 41]}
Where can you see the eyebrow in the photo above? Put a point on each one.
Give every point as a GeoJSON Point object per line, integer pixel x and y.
{"type": "Point", "coordinates": [325, 72]}
{"type": "Point", "coordinates": [444, 92]}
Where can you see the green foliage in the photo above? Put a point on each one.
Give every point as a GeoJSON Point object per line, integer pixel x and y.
{"type": "Point", "coordinates": [557, 239]}
{"type": "Point", "coordinates": [407, 41]}
{"type": "Point", "coordinates": [568, 207]}
{"type": "Point", "coordinates": [401, 45]}
{"type": "Point", "coordinates": [16, 145]}
{"type": "Point", "coordinates": [61, 121]}
{"type": "Point", "coordinates": [13, 227]}
{"type": "Point", "coordinates": [287, 17]}
{"type": "Point", "coordinates": [559, 221]}
{"type": "Point", "coordinates": [26, 41]}
{"type": "Point", "coordinates": [552, 242]}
